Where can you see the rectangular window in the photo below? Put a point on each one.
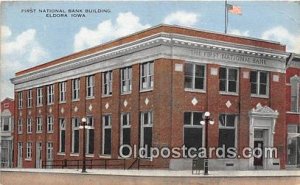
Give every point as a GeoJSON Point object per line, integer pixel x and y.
{"type": "Point", "coordinates": [295, 90]}
{"type": "Point", "coordinates": [107, 83]}
{"type": "Point", "coordinates": [50, 124]}
{"type": "Point", "coordinates": [228, 80]}
{"type": "Point", "coordinates": [39, 96]}
{"type": "Point", "coordinates": [20, 126]}
{"type": "Point", "coordinates": [20, 154]}
{"type": "Point", "coordinates": [75, 89]}
{"type": "Point", "coordinates": [62, 92]}
{"type": "Point", "coordinates": [29, 98]}
{"type": "Point", "coordinates": [90, 83]}
{"type": "Point", "coordinates": [50, 94]}
{"type": "Point", "coordinates": [20, 100]}
{"type": "Point", "coordinates": [106, 135]}
{"type": "Point", "coordinates": [259, 83]}
{"type": "Point", "coordinates": [194, 76]}
{"type": "Point", "coordinates": [75, 135]}
{"type": "Point", "coordinates": [6, 123]}
{"type": "Point", "coordinates": [126, 82]}
{"type": "Point", "coordinates": [227, 131]}
{"type": "Point", "coordinates": [125, 132]}
{"type": "Point", "coordinates": [62, 135]}
{"type": "Point", "coordinates": [39, 125]}
{"type": "Point", "coordinates": [147, 72]}
{"type": "Point", "coordinates": [29, 125]}
{"type": "Point", "coordinates": [146, 131]}
{"type": "Point", "coordinates": [192, 129]}
{"type": "Point", "coordinates": [49, 151]}
{"type": "Point", "coordinates": [293, 145]}
{"type": "Point", "coordinates": [29, 150]}
{"type": "Point", "coordinates": [90, 135]}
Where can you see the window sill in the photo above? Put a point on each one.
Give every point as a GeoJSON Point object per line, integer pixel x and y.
{"type": "Point", "coordinates": [74, 154]}
{"type": "Point", "coordinates": [49, 104]}
{"type": "Point", "coordinates": [39, 105]}
{"type": "Point", "coordinates": [146, 90]}
{"type": "Point", "coordinates": [50, 132]}
{"type": "Point", "coordinates": [61, 153]}
{"type": "Point", "coordinates": [29, 132]}
{"type": "Point", "coordinates": [290, 112]}
{"type": "Point", "coordinates": [194, 90]}
{"type": "Point", "coordinates": [39, 132]}
{"type": "Point", "coordinates": [106, 95]}
{"type": "Point", "coordinates": [105, 156]}
{"type": "Point", "coordinates": [259, 96]}
{"type": "Point", "coordinates": [75, 100]}
{"type": "Point", "coordinates": [90, 97]}
{"type": "Point", "coordinates": [126, 93]}
{"type": "Point", "coordinates": [28, 159]}
{"type": "Point", "coordinates": [62, 102]}
{"type": "Point", "coordinates": [89, 155]}
{"type": "Point", "coordinates": [29, 107]}
{"type": "Point", "coordinates": [228, 93]}
{"type": "Point", "coordinates": [20, 133]}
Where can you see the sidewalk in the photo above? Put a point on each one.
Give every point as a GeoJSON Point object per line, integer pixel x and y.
{"type": "Point", "coordinates": [162, 173]}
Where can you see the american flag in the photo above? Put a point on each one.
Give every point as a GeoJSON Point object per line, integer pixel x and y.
{"type": "Point", "coordinates": [234, 9]}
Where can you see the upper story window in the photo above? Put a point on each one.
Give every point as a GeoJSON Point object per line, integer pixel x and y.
{"type": "Point", "coordinates": [6, 123]}
{"type": "Point", "coordinates": [50, 94]}
{"type": "Point", "coordinates": [259, 83]}
{"type": "Point", "coordinates": [75, 89]}
{"type": "Point", "coordinates": [126, 82]}
{"type": "Point", "coordinates": [20, 126]}
{"type": "Point", "coordinates": [107, 83]}
{"type": "Point", "coordinates": [147, 72]}
{"type": "Point", "coordinates": [90, 83]}
{"type": "Point", "coordinates": [39, 125]}
{"type": "Point", "coordinates": [29, 98]}
{"type": "Point", "coordinates": [295, 90]}
{"type": "Point", "coordinates": [228, 80]}
{"type": "Point", "coordinates": [39, 96]}
{"type": "Point", "coordinates": [20, 100]}
{"type": "Point", "coordinates": [62, 92]}
{"type": "Point", "coordinates": [50, 124]}
{"type": "Point", "coordinates": [29, 125]}
{"type": "Point", "coordinates": [194, 76]}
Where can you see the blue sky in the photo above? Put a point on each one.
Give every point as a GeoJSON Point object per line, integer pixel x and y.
{"type": "Point", "coordinates": [29, 39]}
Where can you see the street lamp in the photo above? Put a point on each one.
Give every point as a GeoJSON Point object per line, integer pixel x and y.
{"type": "Point", "coordinates": [83, 125]}
{"type": "Point", "coordinates": [206, 120]}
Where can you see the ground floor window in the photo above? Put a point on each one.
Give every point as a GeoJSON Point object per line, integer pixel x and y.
{"type": "Point", "coordinates": [106, 135]}
{"type": "Point", "coordinates": [62, 135]}
{"type": "Point", "coordinates": [146, 131]}
{"type": "Point", "coordinates": [192, 130]}
{"type": "Point", "coordinates": [90, 135]}
{"type": "Point", "coordinates": [49, 151]}
{"type": "Point", "coordinates": [75, 135]}
{"type": "Point", "coordinates": [6, 153]}
{"type": "Point", "coordinates": [28, 150]}
{"type": "Point", "coordinates": [293, 145]}
{"type": "Point", "coordinates": [125, 132]}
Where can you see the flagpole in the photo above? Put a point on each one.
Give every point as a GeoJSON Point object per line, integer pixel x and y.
{"type": "Point", "coordinates": [226, 16]}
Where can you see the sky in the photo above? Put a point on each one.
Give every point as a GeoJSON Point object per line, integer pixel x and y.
{"type": "Point", "coordinates": [30, 38]}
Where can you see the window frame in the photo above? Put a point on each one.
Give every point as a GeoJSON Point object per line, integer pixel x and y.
{"type": "Point", "coordinates": [126, 80]}
{"type": "Point", "coordinates": [29, 151]}
{"type": "Point", "coordinates": [227, 80]}
{"type": "Point", "coordinates": [29, 98]}
{"type": "Point", "coordinates": [297, 98]}
{"type": "Point", "coordinates": [75, 89]}
{"type": "Point", "coordinates": [20, 126]}
{"type": "Point", "coordinates": [88, 119]}
{"type": "Point", "coordinates": [107, 80]}
{"type": "Point", "coordinates": [39, 96]}
{"type": "Point", "coordinates": [39, 124]}
{"type": "Point", "coordinates": [194, 77]}
{"type": "Point", "coordinates": [147, 125]}
{"type": "Point", "coordinates": [149, 76]}
{"type": "Point", "coordinates": [29, 125]}
{"type": "Point", "coordinates": [90, 86]}
{"type": "Point", "coordinates": [20, 100]}
{"type": "Point", "coordinates": [49, 155]}
{"type": "Point", "coordinates": [75, 127]}
{"type": "Point", "coordinates": [50, 94]}
{"type": "Point", "coordinates": [62, 91]}
{"type": "Point", "coordinates": [50, 125]}
{"type": "Point", "coordinates": [124, 126]}
{"type": "Point", "coordinates": [62, 128]}
{"type": "Point", "coordinates": [108, 126]}
{"type": "Point", "coordinates": [258, 83]}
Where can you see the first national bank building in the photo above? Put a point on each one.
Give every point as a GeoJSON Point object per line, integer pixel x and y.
{"type": "Point", "coordinates": [152, 88]}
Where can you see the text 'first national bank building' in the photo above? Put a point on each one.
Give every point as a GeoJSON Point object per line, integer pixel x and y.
{"type": "Point", "coordinates": [152, 88]}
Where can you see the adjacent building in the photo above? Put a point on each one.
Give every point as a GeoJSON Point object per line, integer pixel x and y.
{"type": "Point", "coordinates": [152, 88]}
{"type": "Point", "coordinates": [6, 132]}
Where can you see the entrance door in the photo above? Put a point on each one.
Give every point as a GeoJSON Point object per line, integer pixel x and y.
{"type": "Point", "coordinates": [258, 161]}
{"type": "Point", "coordinates": [38, 155]}
{"type": "Point", "coordinates": [20, 154]}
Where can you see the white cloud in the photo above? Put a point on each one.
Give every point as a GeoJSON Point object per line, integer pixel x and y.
{"type": "Point", "coordinates": [125, 23]}
{"type": "Point", "coordinates": [238, 32]}
{"type": "Point", "coordinates": [182, 18]}
{"type": "Point", "coordinates": [283, 36]}
{"type": "Point", "coordinates": [18, 53]}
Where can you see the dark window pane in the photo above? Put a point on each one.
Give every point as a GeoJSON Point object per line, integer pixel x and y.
{"type": "Point", "coordinates": [197, 118]}
{"type": "Point", "coordinates": [193, 137]}
{"type": "Point", "coordinates": [146, 118]}
{"type": "Point", "coordinates": [230, 120]}
{"type": "Point", "coordinates": [188, 69]}
{"type": "Point", "coordinates": [126, 140]}
{"type": "Point", "coordinates": [232, 86]}
{"type": "Point", "coordinates": [222, 85]}
{"type": "Point", "coordinates": [187, 118]}
{"type": "Point", "coordinates": [107, 141]}
{"type": "Point", "coordinates": [263, 89]}
{"type": "Point", "coordinates": [199, 71]}
{"type": "Point", "coordinates": [91, 141]}
{"type": "Point", "coordinates": [263, 77]}
{"type": "Point", "coordinates": [222, 119]}
{"type": "Point", "coordinates": [148, 138]}
{"type": "Point", "coordinates": [188, 82]}
{"type": "Point", "coordinates": [227, 138]}
{"type": "Point", "coordinates": [253, 88]}
{"type": "Point", "coordinates": [76, 141]}
{"type": "Point", "coordinates": [232, 74]}
{"type": "Point", "coordinates": [63, 140]}
{"type": "Point", "coordinates": [199, 83]}
{"type": "Point", "coordinates": [124, 119]}
{"type": "Point", "coordinates": [253, 76]}
{"type": "Point", "coordinates": [222, 73]}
